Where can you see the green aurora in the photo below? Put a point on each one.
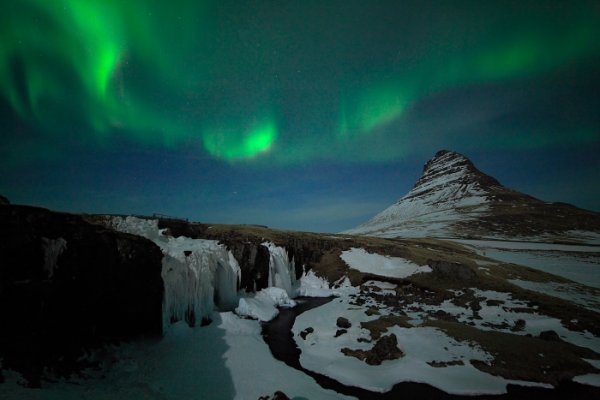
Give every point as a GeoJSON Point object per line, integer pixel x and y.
{"type": "Point", "coordinates": [287, 81]}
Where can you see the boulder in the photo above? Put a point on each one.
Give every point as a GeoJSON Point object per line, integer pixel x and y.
{"type": "Point", "coordinates": [386, 348]}
{"type": "Point", "coordinates": [452, 270]}
{"type": "Point", "coordinates": [343, 323]}
{"type": "Point", "coordinates": [550, 336]}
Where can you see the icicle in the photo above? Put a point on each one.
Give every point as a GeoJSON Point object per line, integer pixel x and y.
{"type": "Point", "coordinates": [52, 249]}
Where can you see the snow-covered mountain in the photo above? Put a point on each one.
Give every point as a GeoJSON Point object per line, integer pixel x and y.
{"type": "Point", "coordinates": [452, 198]}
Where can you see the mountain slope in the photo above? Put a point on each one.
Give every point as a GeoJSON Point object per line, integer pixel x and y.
{"type": "Point", "coordinates": [452, 198]}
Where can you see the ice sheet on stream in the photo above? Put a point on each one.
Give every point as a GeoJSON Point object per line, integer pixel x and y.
{"type": "Point", "coordinates": [225, 360]}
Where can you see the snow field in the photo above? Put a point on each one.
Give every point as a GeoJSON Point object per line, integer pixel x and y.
{"type": "Point", "coordinates": [321, 352]}
{"type": "Point", "coordinates": [574, 262]}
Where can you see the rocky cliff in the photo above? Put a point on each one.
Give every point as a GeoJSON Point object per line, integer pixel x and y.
{"type": "Point", "coordinates": [67, 285]}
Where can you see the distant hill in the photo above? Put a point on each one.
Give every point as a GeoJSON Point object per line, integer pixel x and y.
{"type": "Point", "coordinates": [452, 198]}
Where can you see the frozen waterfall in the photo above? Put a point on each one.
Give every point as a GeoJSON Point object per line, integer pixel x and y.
{"type": "Point", "coordinates": [282, 271]}
{"type": "Point", "coordinates": [197, 274]}
{"type": "Point", "coordinates": [201, 275]}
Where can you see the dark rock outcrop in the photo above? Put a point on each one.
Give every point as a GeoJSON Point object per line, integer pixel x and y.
{"type": "Point", "coordinates": [4, 201]}
{"type": "Point", "coordinates": [306, 332]}
{"type": "Point", "coordinates": [67, 285]}
{"type": "Point", "coordinates": [278, 395]}
{"type": "Point", "coordinates": [550, 336]}
{"type": "Point", "coordinates": [386, 348]}
{"type": "Point", "coordinates": [343, 323]}
{"type": "Point", "coordinates": [452, 270]}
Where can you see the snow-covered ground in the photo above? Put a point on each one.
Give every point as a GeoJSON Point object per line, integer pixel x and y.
{"type": "Point", "coordinates": [578, 263]}
{"type": "Point", "coordinates": [393, 267]}
{"type": "Point", "coordinates": [425, 348]}
{"type": "Point", "coordinates": [229, 359]}
{"type": "Point", "coordinates": [226, 360]}
{"type": "Point", "coordinates": [572, 292]}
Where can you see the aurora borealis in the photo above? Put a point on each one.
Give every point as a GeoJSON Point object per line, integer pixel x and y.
{"type": "Point", "coordinates": [299, 114]}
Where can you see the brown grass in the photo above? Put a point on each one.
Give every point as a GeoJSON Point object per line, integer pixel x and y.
{"type": "Point", "coordinates": [377, 326]}
{"type": "Point", "coordinates": [521, 357]}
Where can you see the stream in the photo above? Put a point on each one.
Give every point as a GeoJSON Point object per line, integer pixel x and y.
{"type": "Point", "coordinates": [278, 335]}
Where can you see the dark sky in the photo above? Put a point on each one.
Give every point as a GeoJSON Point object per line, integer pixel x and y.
{"type": "Point", "coordinates": [309, 115]}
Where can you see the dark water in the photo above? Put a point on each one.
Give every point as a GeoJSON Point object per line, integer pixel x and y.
{"type": "Point", "coordinates": [278, 335]}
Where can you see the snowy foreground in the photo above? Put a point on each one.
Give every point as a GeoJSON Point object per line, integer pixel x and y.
{"type": "Point", "coordinates": [228, 359]}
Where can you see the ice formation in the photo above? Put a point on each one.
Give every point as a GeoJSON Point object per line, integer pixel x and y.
{"type": "Point", "coordinates": [282, 271]}
{"type": "Point", "coordinates": [281, 281]}
{"type": "Point", "coordinates": [52, 249]}
{"type": "Point", "coordinates": [264, 305]}
{"type": "Point", "coordinates": [198, 274]}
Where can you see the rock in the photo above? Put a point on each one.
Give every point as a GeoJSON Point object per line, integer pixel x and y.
{"type": "Point", "coordinates": [444, 316]}
{"type": "Point", "coordinates": [452, 270]}
{"type": "Point", "coordinates": [343, 323]}
{"type": "Point", "coordinates": [279, 395]}
{"type": "Point", "coordinates": [306, 332]}
{"type": "Point", "coordinates": [444, 364]}
{"type": "Point", "coordinates": [340, 332]}
{"type": "Point", "coordinates": [386, 348]}
{"type": "Point", "coordinates": [550, 336]}
{"type": "Point", "coordinates": [519, 325]}
{"type": "Point", "coordinates": [4, 201]}
{"type": "Point", "coordinates": [67, 285]}
{"type": "Point", "coordinates": [372, 311]}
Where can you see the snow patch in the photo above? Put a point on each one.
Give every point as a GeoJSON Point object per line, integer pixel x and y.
{"type": "Point", "coordinates": [393, 267]}
{"type": "Point", "coordinates": [589, 379]}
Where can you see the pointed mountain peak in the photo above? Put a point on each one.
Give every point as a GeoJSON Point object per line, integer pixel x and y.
{"type": "Point", "coordinates": [449, 167]}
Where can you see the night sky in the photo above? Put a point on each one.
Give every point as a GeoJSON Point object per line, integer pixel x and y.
{"type": "Point", "coordinates": [306, 115]}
